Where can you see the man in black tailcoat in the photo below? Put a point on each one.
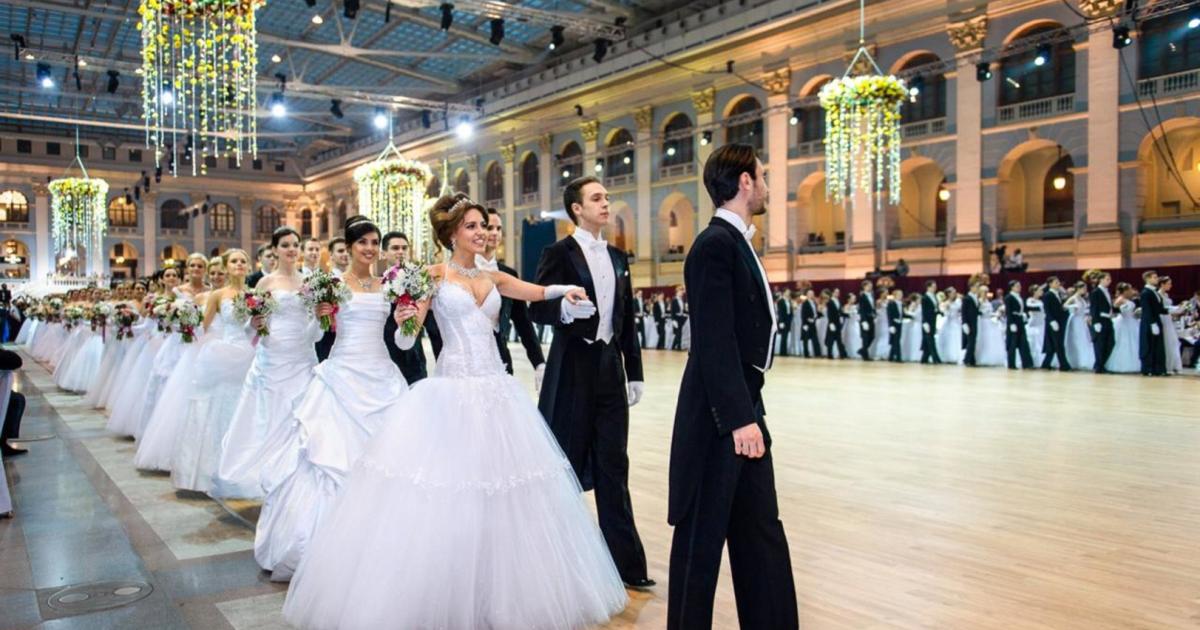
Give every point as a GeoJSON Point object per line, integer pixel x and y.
{"type": "Point", "coordinates": [783, 314]}
{"type": "Point", "coordinates": [1016, 341]}
{"type": "Point", "coordinates": [866, 315]}
{"type": "Point", "coordinates": [594, 371]}
{"type": "Point", "coordinates": [411, 361]}
{"type": "Point", "coordinates": [929, 315]}
{"type": "Point", "coordinates": [722, 484]}
{"type": "Point", "coordinates": [970, 324]}
{"type": "Point", "coordinates": [1152, 348]}
{"type": "Point", "coordinates": [1100, 307]}
{"type": "Point", "coordinates": [1055, 337]}
{"type": "Point", "coordinates": [808, 325]}
{"type": "Point", "coordinates": [895, 318]}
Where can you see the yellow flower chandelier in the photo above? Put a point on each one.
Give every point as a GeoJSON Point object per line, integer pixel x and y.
{"type": "Point", "coordinates": [199, 76]}
{"type": "Point", "coordinates": [391, 191]}
{"type": "Point", "coordinates": [78, 214]}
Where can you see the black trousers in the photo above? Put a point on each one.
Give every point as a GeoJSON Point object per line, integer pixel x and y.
{"type": "Point", "coordinates": [736, 505]}
{"type": "Point", "coordinates": [809, 338]}
{"type": "Point", "coordinates": [1056, 346]}
{"type": "Point", "coordinates": [785, 334]}
{"type": "Point", "coordinates": [598, 445]}
{"type": "Point", "coordinates": [929, 353]}
{"type": "Point", "coordinates": [1103, 343]}
{"type": "Point", "coordinates": [11, 429]}
{"type": "Point", "coordinates": [868, 338]}
{"type": "Point", "coordinates": [894, 340]}
{"type": "Point", "coordinates": [1154, 354]}
{"type": "Point", "coordinates": [641, 332]}
{"type": "Point", "coordinates": [1016, 342]}
{"type": "Point", "coordinates": [325, 344]}
{"type": "Point", "coordinates": [661, 326]}
{"type": "Point", "coordinates": [833, 339]}
{"type": "Point", "coordinates": [969, 344]}
{"type": "Point", "coordinates": [677, 341]}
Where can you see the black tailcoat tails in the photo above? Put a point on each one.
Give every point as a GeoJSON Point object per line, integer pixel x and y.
{"type": "Point", "coordinates": [929, 315]}
{"type": "Point", "coordinates": [1152, 350]}
{"type": "Point", "coordinates": [584, 396]}
{"type": "Point", "coordinates": [1016, 341]}
{"type": "Point", "coordinates": [895, 316]}
{"type": "Point", "coordinates": [716, 496]}
{"type": "Point", "coordinates": [866, 315]}
{"type": "Point", "coordinates": [808, 328]}
{"type": "Point", "coordinates": [1100, 307]}
{"type": "Point", "coordinates": [833, 331]}
{"type": "Point", "coordinates": [1055, 341]}
{"type": "Point", "coordinates": [970, 315]}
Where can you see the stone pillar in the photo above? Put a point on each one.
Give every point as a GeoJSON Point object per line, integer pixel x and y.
{"type": "Point", "coordinates": [41, 258]}
{"type": "Point", "coordinates": [246, 224]}
{"type": "Point", "coordinates": [200, 225]}
{"type": "Point", "coordinates": [643, 214]}
{"type": "Point", "coordinates": [591, 147]}
{"type": "Point", "coordinates": [1101, 243]}
{"type": "Point", "coordinates": [703, 100]}
{"type": "Point", "coordinates": [965, 252]}
{"type": "Point", "coordinates": [476, 183]}
{"type": "Point", "coordinates": [508, 156]}
{"type": "Point", "coordinates": [546, 178]}
{"type": "Point", "coordinates": [779, 85]}
{"type": "Point", "coordinates": [150, 230]}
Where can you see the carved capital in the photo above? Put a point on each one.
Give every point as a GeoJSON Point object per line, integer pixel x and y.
{"type": "Point", "coordinates": [472, 163]}
{"type": "Point", "coordinates": [969, 35]}
{"type": "Point", "coordinates": [590, 130]}
{"type": "Point", "coordinates": [545, 142]}
{"type": "Point", "coordinates": [508, 152]}
{"type": "Point", "coordinates": [644, 117]}
{"type": "Point", "coordinates": [778, 82]}
{"type": "Point", "coordinates": [704, 100]}
{"type": "Point", "coordinates": [1100, 9]}
{"type": "Point", "coordinates": [41, 189]}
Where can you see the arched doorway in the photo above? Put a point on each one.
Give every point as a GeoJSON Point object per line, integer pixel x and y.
{"type": "Point", "coordinates": [676, 227]}
{"type": "Point", "coordinates": [921, 213]}
{"type": "Point", "coordinates": [123, 261]}
{"type": "Point", "coordinates": [1036, 188]}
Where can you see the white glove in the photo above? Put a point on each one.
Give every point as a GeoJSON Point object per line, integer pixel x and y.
{"type": "Point", "coordinates": [1154, 330]}
{"type": "Point", "coordinates": [539, 373]}
{"type": "Point", "coordinates": [833, 327]}
{"type": "Point", "coordinates": [805, 326]}
{"type": "Point", "coordinates": [892, 330]}
{"type": "Point", "coordinates": [1097, 327]}
{"type": "Point", "coordinates": [635, 391]}
{"type": "Point", "coordinates": [1054, 326]}
{"type": "Point", "coordinates": [966, 329]}
{"type": "Point", "coordinates": [403, 342]}
{"type": "Point", "coordinates": [1012, 328]}
{"type": "Point", "coordinates": [555, 291]}
{"type": "Point", "coordinates": [865, 326]}
{"type": "Point", "coordinates": [925, 327]}
{"type": "Point", "coordinates": [571, 312]}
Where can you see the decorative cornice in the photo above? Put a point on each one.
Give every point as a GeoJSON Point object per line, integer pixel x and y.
{"type": "Point", "coordinates": [704, 100]}
{"type": "Point", "coordinates": [508, 152]}
{"type": "Point", "coordinates": [1100, 9]}
{"type": "Point", "coordinates": [969, 35]}
{"type": "Point", "coordinates": [545, 142]}
{"type": "Point", "coordinates": [644, 117]}
{"type": "Point", "coordinates": [590, 130]}
{"type": "Point", "coordinates": [778, 82]}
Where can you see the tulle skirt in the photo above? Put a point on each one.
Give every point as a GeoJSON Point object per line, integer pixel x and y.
{"type": "Point", "coordinates": [989, 343]}
{"type": "Point", "coordinates": [220, 368]}
{"type": "Point", "coordinates": [463, 514]}
{"type": "Point", "coordinates": [52, 342]}
{"type": "Point", "coordinates": [1126, 356]}
{"type": "Point", "coordinates": [882, 344]}
{"type": "Point", "coordinates": [1171, 341]}
{"type": "Point", "coordinates": [156, 447]}
{"type": "Point", "coordinates": [1080, 352]}
{"type": "Point", "coordinates": [950, 340]}
{"type": "Point", "coordinates": [78, 376]}
{"type": "Point", "coordinates": [66, 355]}
{"type": "Point", "coordinates": [105, 376]}
{"type": "Point", "coordinates": [127, 402]}
{"type": "Point", "coordinates": [28, 327]}
{"type": "Point", "coordinates": [852, 336]}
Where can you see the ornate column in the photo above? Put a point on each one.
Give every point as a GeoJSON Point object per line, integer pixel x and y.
{"type": "Point", "coordinates": [150, 230]}
{"type": "Point", "coordinates": [246, 224]}
{"type": "Point", "coordinates": [42, 259]}
{"type": "Point", "coordinates": [643, 214]}
{"type": "Point", "coordinates": [508, 156]}
{"type": "Point", "coordinates": [199, 225]}
{"type": "Point", "coordinates": [545, 175]}
{"type": "Point", "coordinates": [965, 253]}
{"type": "Point", "coordinates": [779, 86]}
{"type": "Point", "coordinates": [476, 191]}
{"type": "Point", "coordinates": [591, 147]}
{"type": "Point", "coordinates": [703, 101]}
{"type": "Point", "coordinates": [1100, 245]}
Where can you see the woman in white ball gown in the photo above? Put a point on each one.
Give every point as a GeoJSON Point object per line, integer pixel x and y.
{"type": "Point", "coordinates": [464, 513]}
{"type": "Point", "coordinates": [1126, 355]}
{"type": "Point", "coordinates": [1080, 353]}
{"type": "Point", "coordinates": [277, 379]}
{"type": "Point", "coordinates": [352, 394]}
{"type": "Point", "coordinates": [129, 402]}
{"type": "Point", "coordinates": [949, 337]}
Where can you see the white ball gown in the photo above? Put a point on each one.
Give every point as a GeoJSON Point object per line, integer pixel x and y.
{"type": "Point", "coordinates": [105, 375]}
{"type": "Point", "coordinates": [78, 378]}
{"type": "Point", "coordinates": [1080, 352]}
{"type": "Point", "coordinates": [464, 513]}
{"type": "Point", "coordinates": [989, 341]}
{"type": "Point", "coordinates": [852, 332]}
{"type": "Point", "coordinates": [1125, 356]}
{"type": "Point", "coordinates": [1171, 336]}
{"type": "Point", "coordinates": [1035, 331]}
{"type": "Point", "coordinates": [277, 379]}
{"type": "Point", "coordinates": [164, 425]}
{"type": "Point", "coordinates": [165, 362]}
{"type": "Point", "coordinates": [135, 345]}
{"type": "Point", "coordinates": [883, 342]}
{"type": "Point", "coordinates": [127, 402]}
{"type": "Point", "coordinates": [78, 338]}
{"type": "Point", "coordinates": [950, 336]}
{"type": "Point", "coordinates": [28, 326]}
{"type": "Point", "coordinates": [352, 395]}
{"type": "Point", "coordinates": [220, 368]}
{"type": "Point", "coordinates": [910, 335]}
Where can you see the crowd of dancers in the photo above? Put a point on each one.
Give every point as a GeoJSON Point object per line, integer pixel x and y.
{"type": "Point", "coordinates": [1090, 324]}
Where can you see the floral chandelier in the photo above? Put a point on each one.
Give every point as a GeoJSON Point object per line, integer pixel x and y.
{"type": "Point", "coordinates": [862, 129]}
{"type": "Point", "coordinates": [391, 191]}
{"type": "Point", "coordinates": [77, 207]}
{"type": "Point", "coordinates": [199, 77]}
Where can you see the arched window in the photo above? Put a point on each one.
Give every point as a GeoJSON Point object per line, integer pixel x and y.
{"type": "Point", "coordinates": [1059, 193]}
{"type": "Point", "coordinates": [529, 174]}
{"type": "Point", "coordinates": [306, 223]}
{"type": "Point", "coordinates": [493, 188]}
{"type": "Point", "coordinates": [173, 216]}
{"type": "Point", "coordinates": [462, 183]}
{"type": "Point", "coordinates": [619, 160]}
{"type": "Point", "coordinates": [1167, 45]}
{"type": "Point", "coordinates": [930, 99]}
{"type": "Point", "coordinates": [224, 221]}
{"type": "Point", "coordinates": [268, 220]}
{"type": "Point", "coordinates": [679, 141]}
{"type": "Point", "coordinates": [14, 207]}
{"type": "Point", "coordinates": [812, 117]}
{"type": "Point", "coordinates": [1022, 79]}
{"type": "Point", "coordinates": [323, 223]}
{"type": "Point", "coordinates": [434, 188]}
{"type": "Point", "coordinates": [121, 213]}
{"type": "Point", "coordinates": [746, 126]}
{"type": "Point", "coordinates": [570, 163]}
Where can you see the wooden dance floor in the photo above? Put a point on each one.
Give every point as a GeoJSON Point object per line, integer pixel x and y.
{"type": "Point", "coordinates": [913, 497]}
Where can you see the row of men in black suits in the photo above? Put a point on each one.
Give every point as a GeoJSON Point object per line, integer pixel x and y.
{"type": "Point", "coordinates": [829, 303]}
{"type": "Point", "coordinates": [661, 312]}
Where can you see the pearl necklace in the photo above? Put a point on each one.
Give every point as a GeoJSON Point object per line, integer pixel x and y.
{"type": "Point", "coordinates": [469, 274]}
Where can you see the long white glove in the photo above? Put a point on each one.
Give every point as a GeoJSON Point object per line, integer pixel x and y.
{"type": "Point", "coordinates": [865, 326]}
{"type": "Point", "coordinates": [1097, 327]}
{"type": "Point", "coordinates": [1054, 326]}
{"type": "Point", "coordinates": [833, 327]}
{"type": "Point", "coordinates": [1012, 328]}
{"type": "Point", "coordinates": [404, 342]}
{"type": "Point", "coordinates": [636, 389]}
{"type": "Point", "coordinates": [539, 374]}
{"type": "Point", "coordinates": [570, 312]}
{"type": "Point", "coordinates": [892, 330]}
{"type": "Point", "coordinates": [1154, 330]}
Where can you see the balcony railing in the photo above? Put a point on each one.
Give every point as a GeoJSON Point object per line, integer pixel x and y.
{"type": "Point", "coordinates": [14, 225]}
{"type": "Point", "coordinates": [122, 229]}
{"type": "Point", "coordinates": [1189, 221]}
{"type": "Point", "coordinates": [1040, 108]}
{"type": "Point", "coordinates": [812, 147]}
{"type": "Point", "coordinates": [932, 239]}
{"type": "Point", "coordinates": [530, 199]}
{"type": "Point", "coordinates": [619, 180]}
{"type": "Point", "coordinates": [1168, 84]}
{"type": "Point", "coordinates": [494, 203]}
{"type": "Point", "coordinates": [1045, 232]}
{"type": "Point", "coordinates": [687, 169]}
{"type": "Point", "coordinates": [921, 129]}
{"type": "Point", "coordinates": [173, 231]}
{"type": "Point", "coordinates": [672, 257]}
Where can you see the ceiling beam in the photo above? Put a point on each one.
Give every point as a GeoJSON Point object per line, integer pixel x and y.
{"type": "Point", "coordinates": [348, 51]}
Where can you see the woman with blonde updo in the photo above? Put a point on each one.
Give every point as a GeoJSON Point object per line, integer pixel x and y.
{"type": "Point", "coordinates": [196, 270]}
{"type": "Point", "coordinates": [463, 512]}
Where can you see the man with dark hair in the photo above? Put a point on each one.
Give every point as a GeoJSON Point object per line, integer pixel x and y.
{"type": "Point", "coordinates": [265, 256]}
{"type": "Point", "coordinates": [833, 327]}
{"type": "Point", "coordinates": [660, 321]}
{"type": "Point", "coordinates": [866, 315]}
{"type": "Point", "coordinates": [970, 324]}
{"type": "Point", "coordinates": [722, 480]}
{"type": "Point", "coordinates": [1100, 307]}
{"type": "Point", "coordinates": [339, 256]}
{"type": "Point", "coordinates": [1054, 340]}
{"type": "Point", "coordinates": [639, 315]}
{"type": "Point", "coordinates": [594, 371]}
{"type": "Point", "coordinates": [783, 313]}
{"type": "Point", "coordinates": [810, 341]}
{"type": "Point", "coordinates": [1153, 350]}
{"type": "Point", "coordinates": [895, 317]}
{"type": "Point", "coordinates": [412, 361]}
{"type": "Point", "coordinates": [310, 248]}
{"type": "Point", "coordinates": [929, 315]}
{"type": "Point", "coordinates": [679, 317]}
{"type": "Point", "coordinates": [1016, 341]}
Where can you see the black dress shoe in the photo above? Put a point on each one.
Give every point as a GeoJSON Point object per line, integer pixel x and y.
{"type": "Point", "coordinates": [640, 584]}
{"type": "Point", "coordinates": [12, 451]}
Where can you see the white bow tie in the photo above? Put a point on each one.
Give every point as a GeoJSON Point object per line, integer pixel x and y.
{"type": "Point", "coordinates": [597, 246]}
{"type": "Point", "coordinates": [487, 265]}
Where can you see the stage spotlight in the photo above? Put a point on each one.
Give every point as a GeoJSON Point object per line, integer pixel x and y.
{"type": "Point", "coordinates": [914, 88]}
{"type": "Point", "coordinates": [426, 118]}
{"type": "Point", "coordinates": [114, 81]}
{"type": "Point", "coordinates": [464, 130]}
{"type": "Point", "coordinates": [381, 119]}
{"type": "Point", "coordinates": [317, 19]}
{"type": "Point", "coordinates": [1194, 22]}
{"type": "Point", "coordinates": [497, 26]}
{"type": "Point", "coordinates": [706, 138]}
{"type": "Point", "coordinates": [43, 76]}
{"type": "Point", "coordinates": [167, 97]}
{"type": "Point", "coordinates": [556, 37]}
{"type": "Point", "coordinates": [447, 15]}
{"type": "Point", "coordinates": [335, 108]}
{"type": "Point", "coordinates": [310, 3]}
{"type": "Point", "coordinates": [276, 58]}
{"type": "Point", "coordinates": [277, 105]}
{"type": "Point", "coordinates": [1121, 37]}
{"type": "Point", "coordinates": [600, 50]}
{"type": "Point", "coordinates": [1043, 55]}
{"type": "Point", "coordinates": [566, 173]}
{"type": "Point", "coordinates": [350, 9]}
{"type": "Point", "coordinates": [983, 72]}
{"type": "Point", "coordinates": [795, 119]}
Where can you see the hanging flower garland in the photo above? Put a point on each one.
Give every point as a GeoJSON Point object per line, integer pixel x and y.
{"type": "Point", "coordinates": [199, 78]}
{"type": "Point", "coordinates": [78, 214]}
{"type": "Point", "coordinates": [862, 135]}
{"type": "Point", "coordinates": [392, 193]}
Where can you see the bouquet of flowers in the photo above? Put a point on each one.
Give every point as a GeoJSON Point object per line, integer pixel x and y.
{"type": "Point", "coordinates": [101, 313]}
{"type": "Point", "coordinates": [407, 284]}
{"type": "Point", "coordinates": [161, 312]}
{"type": "Point", "coordinates": [323, 288]}
{"type": "Point", "coordinates": [186, 316]}
{"type": "Point", "coordinates": [255, 303]}
{"type": "Point", "coordinates": [55, 307]}
{"type": "Point", "coordinates": [72, 315]}
{"type": "Point", "coordinates": [125, 319]}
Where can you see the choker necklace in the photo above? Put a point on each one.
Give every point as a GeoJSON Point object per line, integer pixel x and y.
{"type": "Point", "coordinates": [469, 274]}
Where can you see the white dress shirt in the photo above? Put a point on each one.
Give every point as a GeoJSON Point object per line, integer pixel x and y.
{"type": "Point", "coordinates": [604, 279]}
{"type": "Point", "coordinates": [748, 232]}
{"type": "Point", "coordinates": [335, 272]}
{"type": "Point", "coordinates": [487, 265]}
